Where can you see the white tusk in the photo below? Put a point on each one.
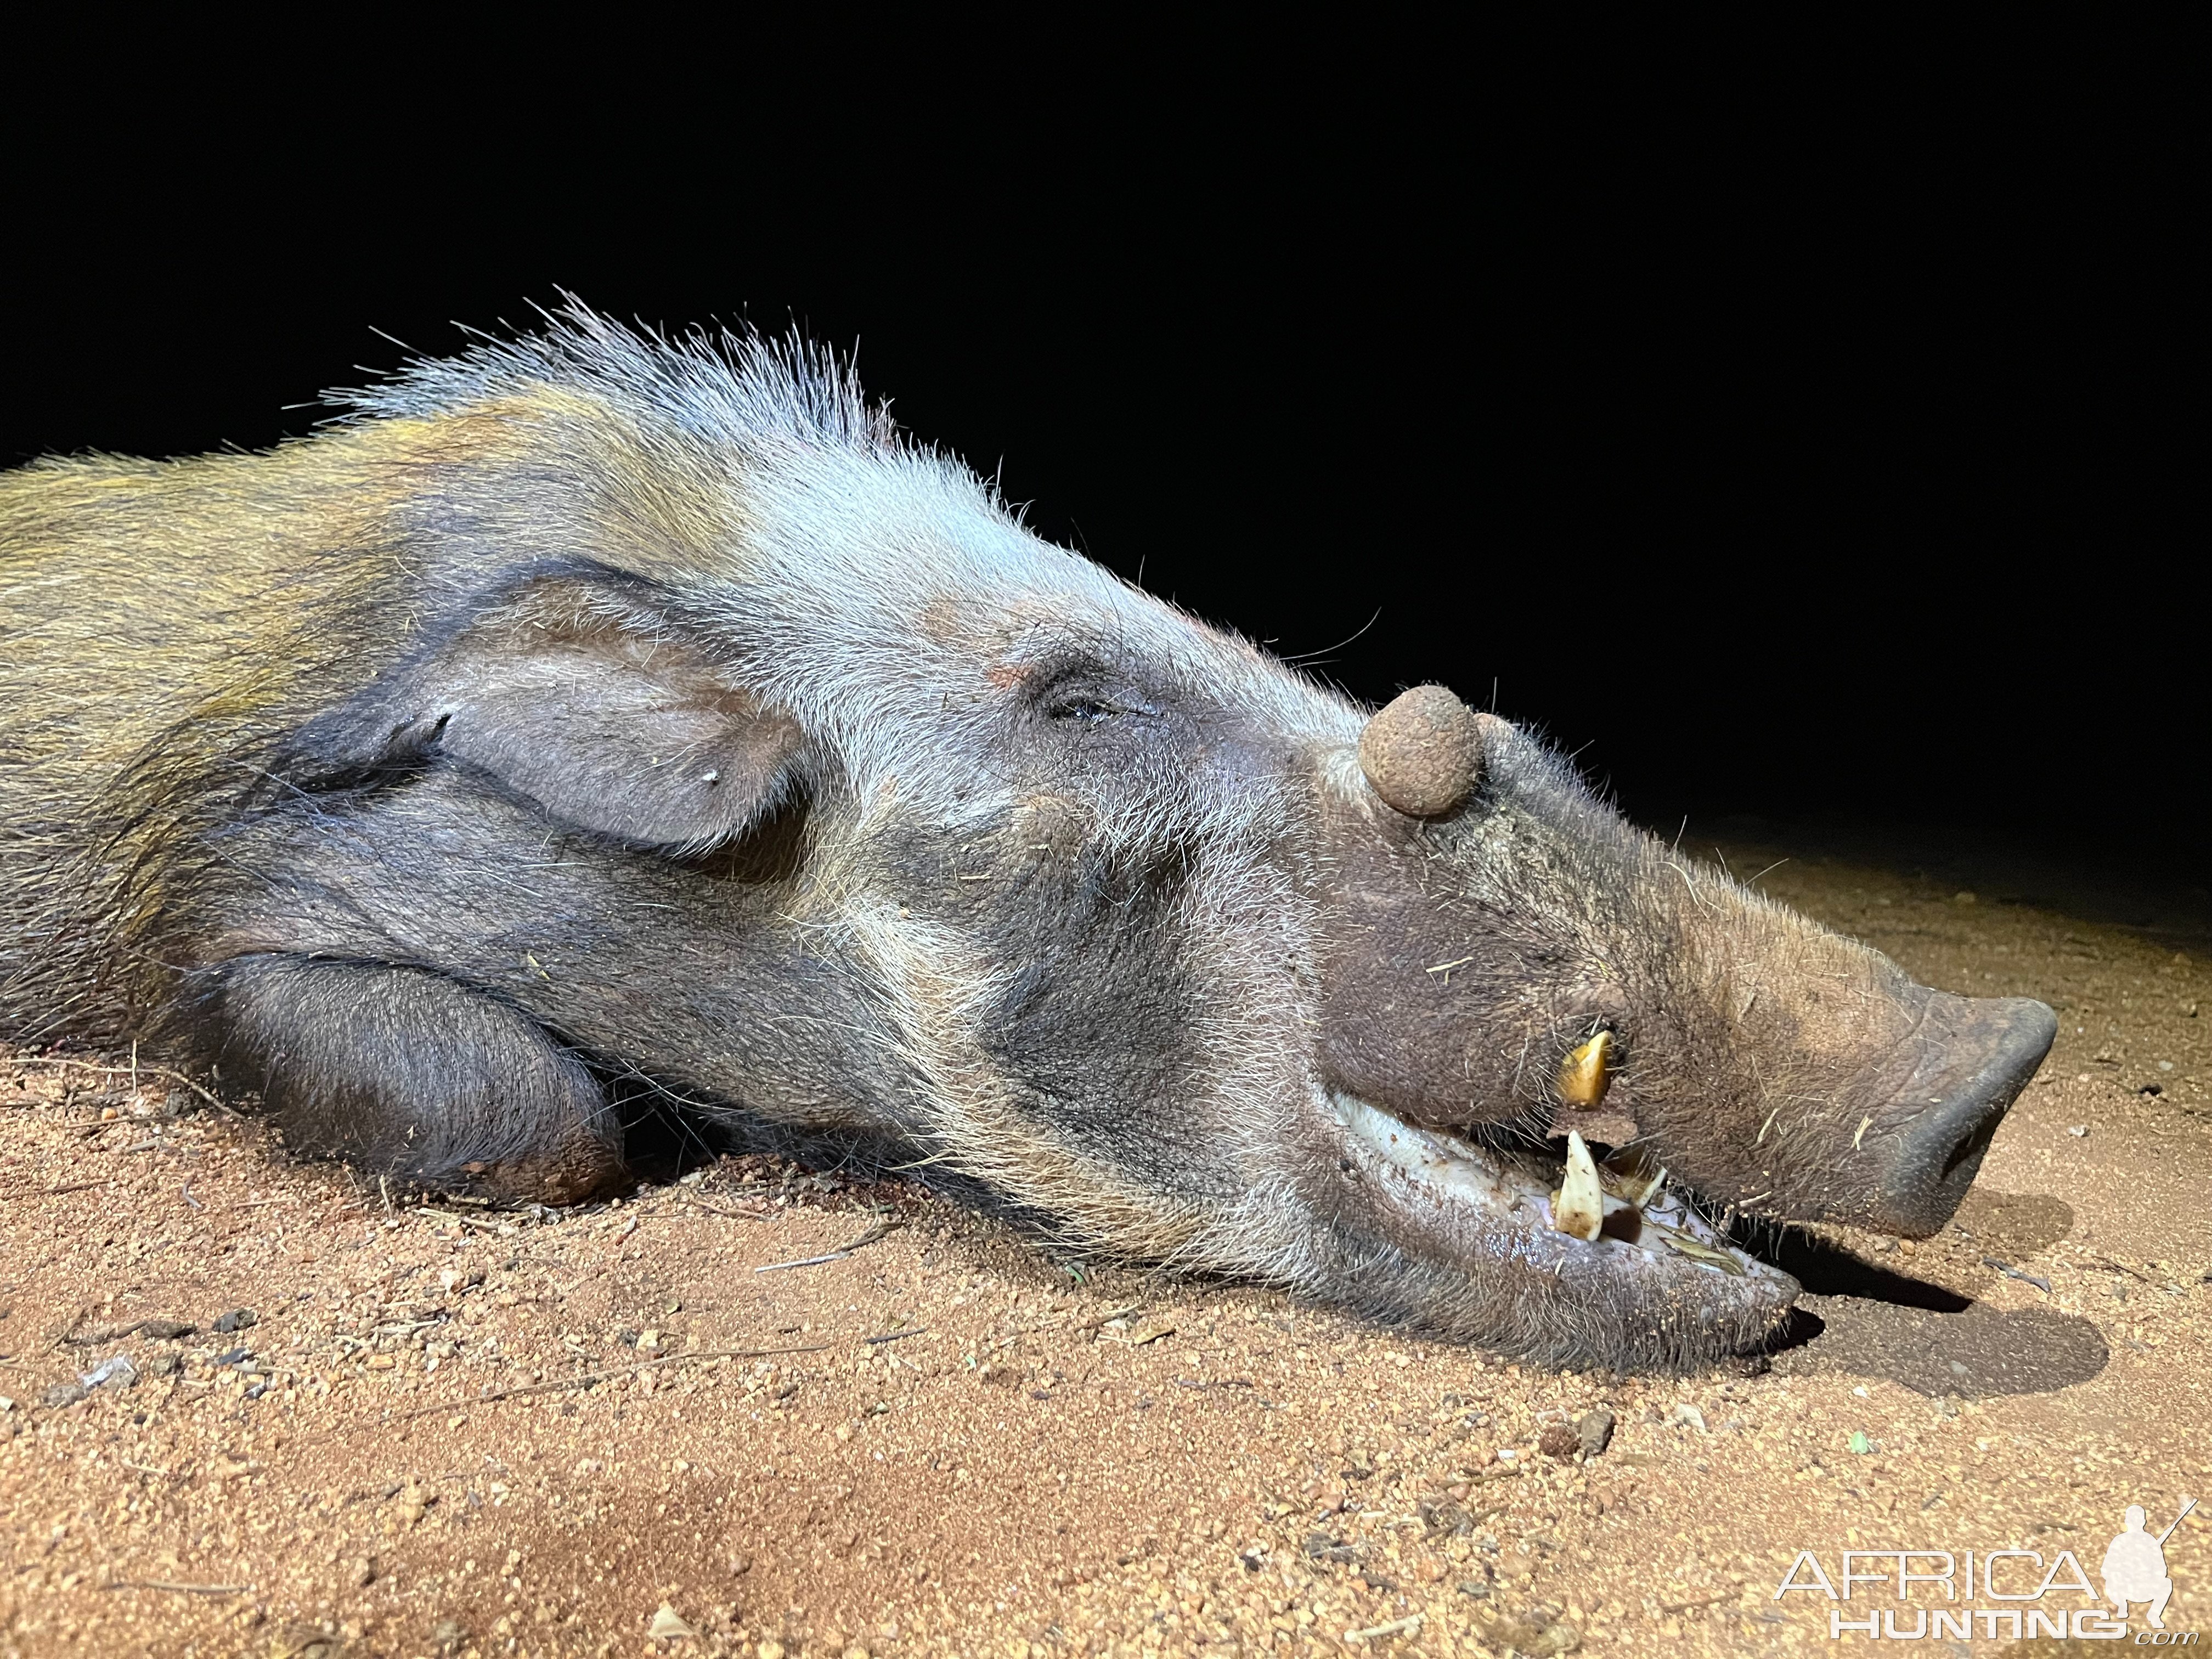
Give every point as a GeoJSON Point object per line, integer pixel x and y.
{"type": "Point", "coordinates": [1635, 1176]}
{"type": "Point", "coordinates": [1578, 1208]}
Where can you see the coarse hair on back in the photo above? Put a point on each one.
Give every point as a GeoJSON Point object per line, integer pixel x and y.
{"type": "Point", "coordinates": [722, 383]}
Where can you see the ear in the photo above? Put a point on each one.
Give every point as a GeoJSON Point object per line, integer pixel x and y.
{"type": "Point", "coordinates": [579, 692]}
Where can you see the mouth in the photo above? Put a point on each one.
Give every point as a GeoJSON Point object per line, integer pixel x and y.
{"type": "Point", "coordinates": [1629, 1258]}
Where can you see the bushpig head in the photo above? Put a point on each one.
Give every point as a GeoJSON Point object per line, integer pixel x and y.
{"type": "Point", "coordinates": [726, 742]}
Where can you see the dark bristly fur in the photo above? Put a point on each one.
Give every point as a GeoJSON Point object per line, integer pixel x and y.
{"type": "Point", "coordinates": [594, 708]}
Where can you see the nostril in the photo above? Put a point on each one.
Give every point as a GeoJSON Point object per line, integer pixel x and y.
{"type": "Point", "coordinates": [1973, 1143]}
{"type": "Point", "coordinates": [1969, 1085]}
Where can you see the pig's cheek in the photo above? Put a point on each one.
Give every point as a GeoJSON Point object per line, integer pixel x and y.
{"type": "Point", "coordinates": [1052, 827]}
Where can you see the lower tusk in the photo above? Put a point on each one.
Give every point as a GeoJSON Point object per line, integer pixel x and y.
{"type": "Point", "coordinates": [1578, 1207]}
{"type": "Point", "coordinates": [1634, 1176]}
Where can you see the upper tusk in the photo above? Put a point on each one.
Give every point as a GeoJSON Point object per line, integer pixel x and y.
{"type": "Point", "coordinates": [1587, 1072]}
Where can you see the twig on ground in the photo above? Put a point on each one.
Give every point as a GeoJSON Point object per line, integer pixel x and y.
{"type": "Point", "coordinates": [170, 1330]}
{"type": "Point", "coordinates": [880, 1230]}
{"type": "Point", "coordinates": [1139, 1339]}
{"type": "Point", "coordinates": [734, 1215]}
{"type": "Point", "coordinates": [1106, 1319]}
{"type": "Point", "coordinates": [588, 1379]}
{"type": "Point", "coordinates": [803, 1261]}
{"type": "Point", "coordinates": [591, 1379]}
{"type": "Point", "coordinates": [133, 1071]}
{"type": "Point", "coordinates": [459, 1220]}
{"type": "Point", "coordinates": [1405, 1626]}
{"type": "Point", "coordinates": [2112, 1266]}
{"type": "Point", "coordinates": [166, 1584]}
{"type": "Point", "coordinates": [56, 1192]}
{"type": "Point", "coordinates": [73, 1187]}
{"type": "Point", "coordinates": [2011, 1272]}
{"type": "Point", "coordinates": [1701, 1602]}
{"type": "Point", "coordinates": [898, 1336]}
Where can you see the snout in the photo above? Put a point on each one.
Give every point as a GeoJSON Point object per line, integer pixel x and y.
{"type": "Point", "coordinates": [1951, 1106]}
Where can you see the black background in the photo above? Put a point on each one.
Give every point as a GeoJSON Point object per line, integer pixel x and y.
{"type": "Point", "coordinates": [1843, 473]}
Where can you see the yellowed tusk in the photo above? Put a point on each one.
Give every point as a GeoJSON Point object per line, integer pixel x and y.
{"type": "Point", "coordinates": [1587, 1072]}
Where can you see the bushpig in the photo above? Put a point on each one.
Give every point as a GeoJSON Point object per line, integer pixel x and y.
{"type": "Point", "coordinates": [597, 714]}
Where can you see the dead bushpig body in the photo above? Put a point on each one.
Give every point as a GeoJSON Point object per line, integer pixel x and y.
{"type": "Point", "coordinates": [596, 715]}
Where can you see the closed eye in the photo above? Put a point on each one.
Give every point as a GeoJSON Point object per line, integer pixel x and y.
{"type": "Point", "coordinates": [1085, 709]}
{"type": "Point", "coordinates": [1087, 694]}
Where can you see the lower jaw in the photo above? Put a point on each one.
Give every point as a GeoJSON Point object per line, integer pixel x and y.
{"type": "Point", "coordinates": [1657, 1286]}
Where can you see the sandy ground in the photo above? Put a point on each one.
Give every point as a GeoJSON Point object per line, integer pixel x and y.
{"type": "Point", "coordinates": [451, 1430]}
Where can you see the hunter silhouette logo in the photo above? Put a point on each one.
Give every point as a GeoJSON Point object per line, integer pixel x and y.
{"type": "Point", "coordinates": [2135, 1566]}
{"type": "Point", "coordinates": [2017, 1581]}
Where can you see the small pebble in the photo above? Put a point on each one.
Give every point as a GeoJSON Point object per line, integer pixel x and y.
{"type": "Point", "coordinates": [667, 1625]}
{"type": "Point", "coordinates": [1595, 1431]}
{"type": "Point", "coordinates": [236, 1319]}
{"type": "Point", "coordinates": [118, 1370]}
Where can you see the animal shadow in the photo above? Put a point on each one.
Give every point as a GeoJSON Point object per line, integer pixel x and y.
{"type": "Point", "coordinates": [1861, 1319]}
